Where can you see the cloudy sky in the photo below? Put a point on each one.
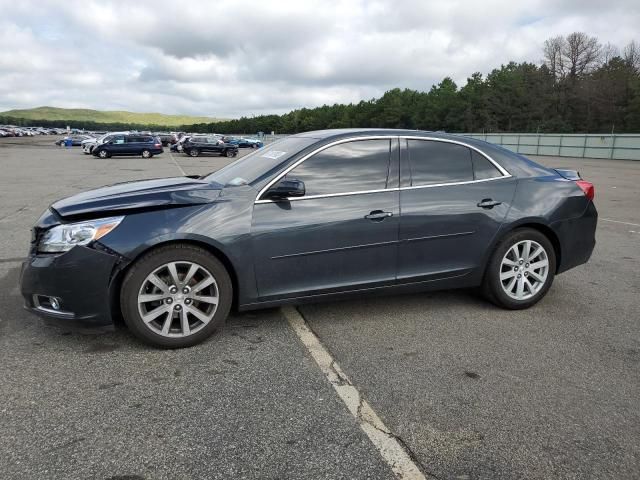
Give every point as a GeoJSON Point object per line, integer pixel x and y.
{"type": "Point", "coordinates": [231, 58]}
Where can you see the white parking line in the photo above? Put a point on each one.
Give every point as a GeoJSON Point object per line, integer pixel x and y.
{"type": "Point", "coordinates": [177, 164]}
{"type": "Point", "coordinates": [386, 442]}
{"type": "Point", "coordinates": [618, 221]}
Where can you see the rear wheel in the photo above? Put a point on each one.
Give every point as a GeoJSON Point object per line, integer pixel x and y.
{"type": "Point", "coordinates": [230, 153]}
{"type": "Point", "coordinates": [146, 154]}
{"type": "Point", "coordinates": [176, 296]}
{"type": "Point", "coordinates": [521, 269]}
{"type": "Point", "coordinates": [194, 152]}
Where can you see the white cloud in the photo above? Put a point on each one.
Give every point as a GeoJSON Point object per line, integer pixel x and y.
{"type": "Point", "coordinates": [229, 58]}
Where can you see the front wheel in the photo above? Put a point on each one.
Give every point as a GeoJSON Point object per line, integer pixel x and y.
{"type": "Point", "coordinates": [194, 152]}
{"type": "Point", "coordinates": [521, 270]}
{"type": "Point", "coordinates": [176, 296]}
{"type": "Point", "coordinates": [103, 154]}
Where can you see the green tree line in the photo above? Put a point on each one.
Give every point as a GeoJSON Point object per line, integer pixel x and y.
{"type": "Point", "coordinates": [581, 86]}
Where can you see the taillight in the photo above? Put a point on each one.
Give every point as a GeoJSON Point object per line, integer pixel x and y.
{"type": "Point", "coordinates": [587, 188]}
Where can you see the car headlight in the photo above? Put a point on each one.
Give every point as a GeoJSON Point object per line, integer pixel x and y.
{"type": "Point", "coordinates": [63, 238]}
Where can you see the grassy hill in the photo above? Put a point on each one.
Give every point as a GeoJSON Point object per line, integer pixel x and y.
{"type": "Point", "coordinates": [78, 115]}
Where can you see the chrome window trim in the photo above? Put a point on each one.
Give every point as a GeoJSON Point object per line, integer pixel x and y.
{"type": "Point", "coordinates": [446, 140]}
{"type": "Point", "coordinates": [453, 184]}
{"type": "Point", "coordinates": [328, 195]}
{"type": "Point", "coordinates": [505, 173]}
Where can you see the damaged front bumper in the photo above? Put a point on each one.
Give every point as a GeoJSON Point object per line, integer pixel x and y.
{"type": "Point", "coordinates": [71, 288]}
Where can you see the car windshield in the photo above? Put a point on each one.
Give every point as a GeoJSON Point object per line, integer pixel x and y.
{"type": "Point", "coordinates": [251, 167]}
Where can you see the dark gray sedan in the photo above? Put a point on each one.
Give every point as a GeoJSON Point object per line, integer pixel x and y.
{"type": "Point", "coordinates": [315, 216]}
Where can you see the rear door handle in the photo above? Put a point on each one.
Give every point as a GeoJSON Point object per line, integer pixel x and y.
{"type": "Point", "coordinates": [378, 215]}
{"type": "Point", "coordinates": [488, 203]}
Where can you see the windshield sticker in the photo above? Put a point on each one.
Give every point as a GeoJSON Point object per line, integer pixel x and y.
{"type": "Point", "coordinates": [274, 154]}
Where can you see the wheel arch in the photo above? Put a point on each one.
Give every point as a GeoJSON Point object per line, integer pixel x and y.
{"type": "Point", "coordinates": [548, 232]}
{"type": "Point", "coordinates": [119, 275]}
{"type": "Point", "coordinates": [534, 224]}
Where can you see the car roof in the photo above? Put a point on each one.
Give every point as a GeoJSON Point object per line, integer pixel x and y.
{"type": "Point", "coordinates": [516, 164]}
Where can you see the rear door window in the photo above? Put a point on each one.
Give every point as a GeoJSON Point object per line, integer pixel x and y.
{"type": "Point", "coordinates": [433, 162]}
{"type": "Point", "coordinates": [346, 168]}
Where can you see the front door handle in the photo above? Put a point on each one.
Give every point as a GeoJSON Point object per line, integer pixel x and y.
{"type": "Point", "coordinates": [378, 215]}
{"type": "Point", "coordinates": [488, 203]}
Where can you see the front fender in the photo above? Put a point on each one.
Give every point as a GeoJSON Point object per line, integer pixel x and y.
{"type": "Point", "coordinates": [223, 227]}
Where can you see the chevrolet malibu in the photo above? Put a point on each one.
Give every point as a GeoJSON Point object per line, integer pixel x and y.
{"type": "Point", "coordinates": [315, 216]}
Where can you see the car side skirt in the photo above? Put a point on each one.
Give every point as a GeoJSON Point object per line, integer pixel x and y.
{"type": "Point", "coordinates": [465, 280]}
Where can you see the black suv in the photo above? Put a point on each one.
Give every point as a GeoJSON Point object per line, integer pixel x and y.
{"type": "Point", "coordinates": [196, 145]}
{"type": "Point", "coordinates": [129, 144]}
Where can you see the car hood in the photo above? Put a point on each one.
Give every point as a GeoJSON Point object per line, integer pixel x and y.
{"type": "Point", "coordinates": [130, 197]}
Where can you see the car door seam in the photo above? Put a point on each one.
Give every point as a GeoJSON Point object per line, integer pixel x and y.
{"type": "Point", "coordinates": [332, 250]}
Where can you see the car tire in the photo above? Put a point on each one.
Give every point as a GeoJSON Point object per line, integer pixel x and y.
{"type": "Point", "coordinates": [146, 154]}
{"type": "Point", "coordinates": [135, 288]}
{"type": "Point", "coordinates": [104, 154]}
{"type": "Point", "coordinates": [521, 270]}
{"type": "Point", "coordinates": [230, 153]}
{"type": "Point", "coordinates": [194, 152]}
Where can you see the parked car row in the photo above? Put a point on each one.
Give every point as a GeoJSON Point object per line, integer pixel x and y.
{"type": "Point", "coordinates": [145, 144]}
{"type": "Point", "coordinates": [13, 131]}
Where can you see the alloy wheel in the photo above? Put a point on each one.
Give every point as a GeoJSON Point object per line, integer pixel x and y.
{"type": "Point", "coordinates": [178, 299]}
{"type": "Point", "coordinates": [524, 270]}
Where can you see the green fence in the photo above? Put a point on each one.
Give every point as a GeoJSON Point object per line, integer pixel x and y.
{"type": "Point", "coordinates": [619, 147]}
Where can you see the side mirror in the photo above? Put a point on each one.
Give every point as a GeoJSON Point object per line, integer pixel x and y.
{"type": "Point", "coordinates": [286, 188]}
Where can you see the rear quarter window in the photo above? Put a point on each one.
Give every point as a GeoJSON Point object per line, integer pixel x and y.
{"type": "Point", "coordinates": [483, 168]}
